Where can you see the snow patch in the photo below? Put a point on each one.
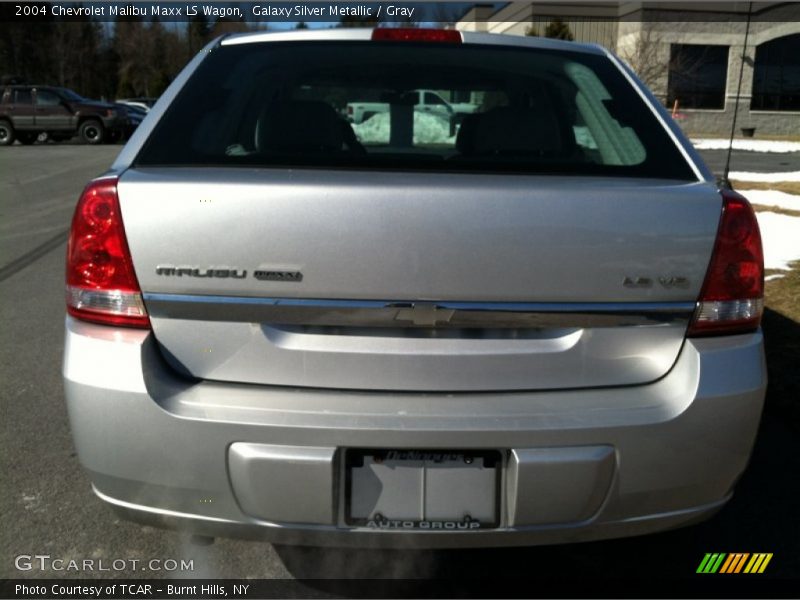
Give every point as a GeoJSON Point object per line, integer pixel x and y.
{"type": "Point", "coordinates": [765, 177]}
{"type": "Point", "coordinates": [31, 502]}
{"type": "Point", "coordinates": [781, 237]}
{"type": "Point", "coordinates": [749, 145]}
{"type": "Point", "coordinates": [428, 129]}
{"type": "Point", "coordinates": [772, 198]}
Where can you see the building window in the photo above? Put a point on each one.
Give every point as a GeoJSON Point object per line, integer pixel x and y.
{"type": "Point", "coordinates": [697, 76]}
{"type": "Point", "coordinates": [776, 76]}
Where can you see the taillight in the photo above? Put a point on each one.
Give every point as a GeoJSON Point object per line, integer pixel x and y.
{"type": "Point", "coordinates": [413, 34]}
{"type": "Point", "coordinates": [732, 299]}
{"type": "Point", "coordinates": [101, 283]}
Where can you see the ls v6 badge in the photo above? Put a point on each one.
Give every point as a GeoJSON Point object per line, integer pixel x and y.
{"type": "Point", "coordinates": [228, 273]}
{"type": "Point", "coordinates": [647, 282]}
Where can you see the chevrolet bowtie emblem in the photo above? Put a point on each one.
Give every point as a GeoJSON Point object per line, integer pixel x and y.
{"type": "Point", "coordinates": [424, 314]}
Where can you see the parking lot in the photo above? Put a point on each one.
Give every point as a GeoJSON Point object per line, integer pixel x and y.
{"type": "Point", "coordinates": [49, 508]}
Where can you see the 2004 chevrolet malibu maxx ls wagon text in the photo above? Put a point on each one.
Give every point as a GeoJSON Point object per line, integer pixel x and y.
{"type": "Point", "coordinates": [531, 318]}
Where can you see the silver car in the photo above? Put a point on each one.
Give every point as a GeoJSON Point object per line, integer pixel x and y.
{"type": "Point", "coordinates": [535, 323]}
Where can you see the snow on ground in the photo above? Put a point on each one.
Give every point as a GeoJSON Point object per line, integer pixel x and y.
{"type": "Point", "coordinates": [765, 177]}
{"type": "Point", "coordinates": [772, 198]}
{"type": "Point", "coordinates": [780, 234]}
{"type": "Point", "coordinates": [428, 129]}
{"type": "Point", "coordinates": [751, 145]}
{"type": "Point", "coordinates": [781, 237]}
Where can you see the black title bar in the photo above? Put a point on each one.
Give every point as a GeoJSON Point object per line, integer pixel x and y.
{"type": "Point", "coordinates": [410, 11]}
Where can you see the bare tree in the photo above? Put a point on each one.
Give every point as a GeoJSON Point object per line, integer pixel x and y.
{"type": "Point", "coordinates": [655, 62]}
{"type": "Point", "coordinates": [646, 57]}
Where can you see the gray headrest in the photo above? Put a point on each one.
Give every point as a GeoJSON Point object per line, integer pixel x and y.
{"type": "Point", "coordinates": [465, 140]}
{"type": "Point", "coordinates": [301, 126]}
{"type": "Point", "coordinates": [509, 130]}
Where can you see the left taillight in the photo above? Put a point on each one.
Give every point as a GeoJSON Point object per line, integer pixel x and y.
{"type": "Point", "coordinates": [101, 283]}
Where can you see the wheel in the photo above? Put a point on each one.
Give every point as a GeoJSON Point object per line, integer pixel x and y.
{"type": "Point", "coordinates": [6, 133]}
{"type": "Point", "coordinates": [27, 137]}
{"type": "Point", "coordinates": [92, 132]}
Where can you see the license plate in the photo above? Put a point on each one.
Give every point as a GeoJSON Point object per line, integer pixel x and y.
{"type": "Point", "coordinates": [441, 490]}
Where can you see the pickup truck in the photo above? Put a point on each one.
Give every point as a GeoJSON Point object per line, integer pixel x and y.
{"type": "Point", "coordinates": [26, 111]}
{"type": "Point", "coordinates": [425, 101]}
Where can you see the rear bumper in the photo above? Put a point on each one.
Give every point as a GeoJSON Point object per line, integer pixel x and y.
{"type": "Point", "coordinates": [266, 462]}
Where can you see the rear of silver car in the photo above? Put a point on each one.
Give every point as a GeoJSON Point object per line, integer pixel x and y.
{"type": "Point", "coordinates": [534, 323]}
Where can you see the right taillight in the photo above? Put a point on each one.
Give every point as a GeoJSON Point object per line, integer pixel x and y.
{"type": "Point", "coordinates": [732, 299]}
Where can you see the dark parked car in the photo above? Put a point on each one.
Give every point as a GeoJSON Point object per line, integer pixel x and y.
{"type": "Point", "coordinates": [26, 111]}
{"type": "Point", "coordinates": [142, 103]}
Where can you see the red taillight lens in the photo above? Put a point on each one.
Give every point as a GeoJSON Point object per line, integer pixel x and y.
{"type": "Point", "coordinates": [413, 34]}
{"type": "Point", "coordinates": [101, 283]}
{"type": "Point", "coordinates": [733, 294]}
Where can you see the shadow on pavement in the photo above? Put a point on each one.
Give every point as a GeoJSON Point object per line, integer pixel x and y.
{"type": "Point", "coordinates": [782, 341]}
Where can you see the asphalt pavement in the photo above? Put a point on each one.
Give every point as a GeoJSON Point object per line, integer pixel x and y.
{"type": "Point", "coordinates": [46, 499]}
{"type": "Point", "coordinates": [759, 162]}
{"type": "Point", "coordinates": [48, 506]}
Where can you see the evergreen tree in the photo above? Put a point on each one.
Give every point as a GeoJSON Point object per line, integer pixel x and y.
{"type": "Point", "coordinates": [559, 30]}
{"type": "Point", "coordinates": [26, 47]}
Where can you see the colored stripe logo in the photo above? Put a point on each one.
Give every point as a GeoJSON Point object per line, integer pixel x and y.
{"type": "Point", "coordinates": [735, 562]}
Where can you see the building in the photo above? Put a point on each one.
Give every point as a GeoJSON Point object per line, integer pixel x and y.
{"type": "Point", "coordinates": [689, 53]}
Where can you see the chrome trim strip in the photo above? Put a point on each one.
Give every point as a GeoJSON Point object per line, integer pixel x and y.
{"type": "Point", "coordinates": [444, 314]}
{"type": "Point", "coordinates": [156, 511]}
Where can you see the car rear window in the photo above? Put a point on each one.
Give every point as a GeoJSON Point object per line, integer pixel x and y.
{"type": "Point", "coordinates": [388, 105]}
